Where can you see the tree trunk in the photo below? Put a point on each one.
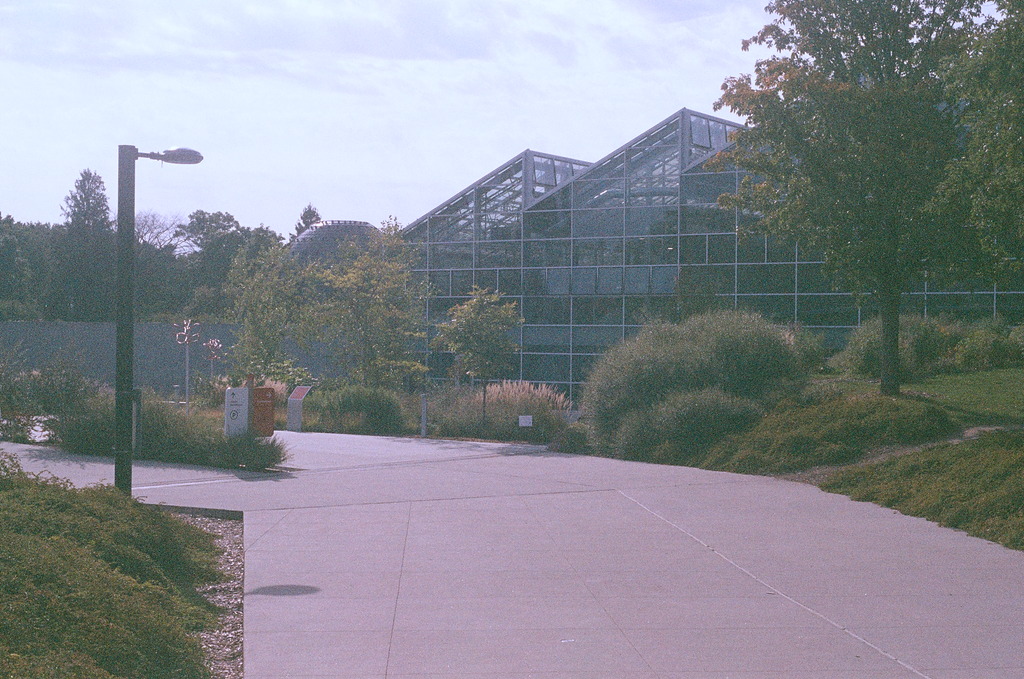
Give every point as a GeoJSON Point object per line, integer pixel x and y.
{"type": "Point", "coordinates": [889, 311]}
{"type": "Point", "coordinates": [483, 414]}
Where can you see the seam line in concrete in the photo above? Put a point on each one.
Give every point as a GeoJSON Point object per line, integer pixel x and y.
{"type": "Point", "coordinates": [398, 593]}
{"type": "Point", "coordinates": [779, 592]}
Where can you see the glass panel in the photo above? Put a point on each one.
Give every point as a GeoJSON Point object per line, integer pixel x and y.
{"type": "Point", "coordinates": [595, 340]}
{"type": "Point", "coordinates": [1010, 307]}
{"type": "Point", "coordinates": [721, 249]}
{"type": "Point", "coordinates": [440, 283]}
{"type": "Point", "coordinates": [462, 282]}
{"type": "Point", "coordinates": [546, 310]}
{"type": "Point", "coordinates": [451, 256]}
{"type": "Point", "coordinates": [609, 281]}
{"type": "Point", "coordinates": [447, 229]}
{"type": "Point", "coordinates": [765, 278]}
{"type": "Point", "coordinates": [546, 339]}
{"type": "Point", "coordinates": [534, 283]}
{"type": "Point", "coordinates": [709, 219]}
{"type": "Point", "coordinates": [663, 279]}
{"type": "Point", "coordinates": [719, 136]}
{"type": "Point", "coordinates": [597, 222]}
{"type": "Point", "coordinates": [588, 195]}
{"type": "Point", "coordinates": [546, 224]}
{"type": "Point", "coordinates": [638, 280]}
{"type": "Point", "coordinates": [717, 280]}
{"type": "Point", "coordinates": [833, 310]}
{"type": "Point", "coordinates": [597, 251]}
{"type": "Point", "coordinates": [558, 281]}
{"type": "Point", "coordinates": [437, 308]}
{"type": "Point", "coordinates": [510, 281]}
{"type": "Point", "coordinates": [706, 188]}
{"type": "Point", "coordinates": [584, 281]}
{"type": "Point", "coordinates": [546, 367]}
{"type": "Point", "coordinates": [486, 279]}
{"type": "Point", "coordinates": [497, 226]}
{"type": "Point", "coordinates": [597, 311]}
{"type": "Point", "coordinates": [498, 254]}
{"type": "Point", "coordinates": [651, 221]}
{"type": "Point", "coordinates": [693, 249]}
{"type": "Point", "coordinates": [700, 133]}
{"type": "Point", "coordinates": [751, 249]}
{"type": "Point", "coordinates": [559, 200]}
{"type": "Point", "coordinates": [546, 253]}
{"type": "Point", "coordinates": [812, 278]}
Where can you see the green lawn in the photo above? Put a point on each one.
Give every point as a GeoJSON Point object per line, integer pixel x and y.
{"type": "Point", "coordinates": [990, 397]}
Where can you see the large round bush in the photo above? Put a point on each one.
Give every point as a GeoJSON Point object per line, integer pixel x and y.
{"type": "Point", "coordinates": [737, 352]}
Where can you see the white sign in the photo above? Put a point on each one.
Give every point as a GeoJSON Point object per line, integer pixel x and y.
{"type": "Point", "coordinates": [236, 411]}
{"type": "Point", "coordinates": [526, 420]}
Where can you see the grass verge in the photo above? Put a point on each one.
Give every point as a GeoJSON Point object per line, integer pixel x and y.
{"type": "Point", "coordinates": [976, 486]}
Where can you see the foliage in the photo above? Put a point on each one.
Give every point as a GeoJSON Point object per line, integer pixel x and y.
{"type": "Point", "coordinates": [84, 252]}
{"type": "Point", "coordinates": [369, 312]}
{"type": "Point", "coordinates": [573, 439]}
{"type": "Point", "coordinates": [986, 347]}
{"type": "Point", "coordinates": [456, 412]}
{"type": "Point", "coordinates": [309, 216]}
{"type": "Point", "coordinates": [479, 332]}
{"type": "Point", "coordinates": [266, 292]}
{"type": "Point", "coordinates": [684, 425]}
{"type": "Point", "coordinates": [976, 486]}
{"type": "Point", "coordinates": [95, 584]}
{"type": "Point", "coordinates": [849, 139]}
{"type": "Point", "coordinates": [836, 431]}
{"type": "Point", "coordinates": [737, 352]}
{"type": "Point", "coordinates": [988, 77]}
{"type": "Point", "coordinates": [926, 346]}
{"type": "Point", "coordinates": [353, 409]}
{"type": "Point", "coordinates": [165, 434]}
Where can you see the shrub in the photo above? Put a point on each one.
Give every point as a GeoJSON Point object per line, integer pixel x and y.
{"type": "Point", "coordinates": [986, 347]}
{"type": "Point", "coordinates": [836, 431]}
{"type": "Point", "coordinates": [94, 584]}
{"type": "Point", "coordinates": [165, 434]}
{"type": "Point", "coordinates": [459, 412]}
{"type": "Point", "coordinates": [574, 439]}
{"type": "Point", "coordinates": [739, 353]}
{"type": "Point", "coordinates": [684, 425]}
{"type": "Point", "coordinates": [926, 347]}
{"type": "Point", "coordinates": [353, 410]}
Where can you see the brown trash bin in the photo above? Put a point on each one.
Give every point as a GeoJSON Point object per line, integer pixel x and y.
{"type": "Point", "coordinates": [262, 413]}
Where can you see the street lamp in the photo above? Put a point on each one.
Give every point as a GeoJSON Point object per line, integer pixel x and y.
{"type": "Point", "coordinates": [124, 368]}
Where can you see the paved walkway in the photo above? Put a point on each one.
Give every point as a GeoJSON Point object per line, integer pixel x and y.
{"type": "Point", "coordinates": [399, 558]}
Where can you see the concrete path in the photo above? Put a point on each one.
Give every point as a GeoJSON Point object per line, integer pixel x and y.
{"type": "Point", "coordinates": [408, 559]}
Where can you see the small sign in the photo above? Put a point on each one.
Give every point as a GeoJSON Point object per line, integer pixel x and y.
{"type": "Point", "coordinates": [526, 420]}
{"type": "Point", "coordinates": [236, 411]}
{"type": "Point", "coordinates": [299, 393]}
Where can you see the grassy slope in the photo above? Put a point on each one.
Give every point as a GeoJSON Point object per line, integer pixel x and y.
{"type": "Point", "coordinates": [977, 486]}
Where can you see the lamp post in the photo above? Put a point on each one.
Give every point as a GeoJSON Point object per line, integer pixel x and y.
{"type": "Point", "coordinates": [124, 351]}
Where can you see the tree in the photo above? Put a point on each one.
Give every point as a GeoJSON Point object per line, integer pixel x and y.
{"type": "Point", "coordinates": [265, 290]}
{"type": "Point", "coordinates": [988, 79]}
{"type": "Point", "coordinates": [850, 137]}
{"type": "Point", "coordinates": [85, 254]}
{"type": "Point", "coordinates": [370, 312]}
{"type": "Point", "coordinates": [310, 216]}
{"type": "Point", "coordinates": [479, 332]}
{"type": "Point", "coordinates": [214, 240]}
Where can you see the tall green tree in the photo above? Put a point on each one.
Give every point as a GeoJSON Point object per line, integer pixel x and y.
{"type": "Point", "coordinates": [85, 254]}
{"type": "Point", "coordinates": [479, 331]}
{"type": "Point", "coordinates": [310, 216]}
{"type": "Point", "coordinates": [369, 311]}
{"type": "Point", "coordinates": [987, 80]}
{"type": "Point", "coordinates": [850, 136]}
{"type": "Point", "coordinates": [265, 288]}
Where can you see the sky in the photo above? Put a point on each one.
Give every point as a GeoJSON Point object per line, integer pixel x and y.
{"type": "Point", "coordinates": [364, 109]}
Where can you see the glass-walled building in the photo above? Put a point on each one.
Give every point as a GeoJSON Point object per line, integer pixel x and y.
{"type": "Point", "coordinates": [591, 251]}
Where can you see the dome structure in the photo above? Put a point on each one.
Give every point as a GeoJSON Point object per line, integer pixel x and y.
{"type": "Point", "coordinates": [324, 240]}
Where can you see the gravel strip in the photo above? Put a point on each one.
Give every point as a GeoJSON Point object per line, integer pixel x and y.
{"type": "Point", "coordinates": [223, 644]}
